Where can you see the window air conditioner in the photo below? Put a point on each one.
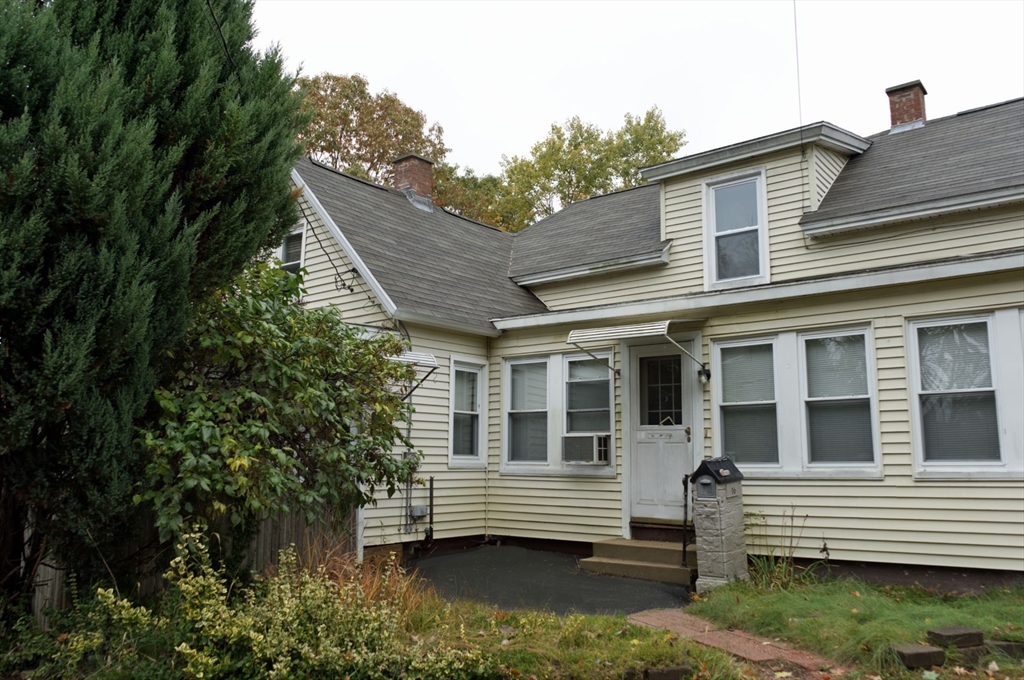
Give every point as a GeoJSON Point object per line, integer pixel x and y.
{"type": "Point", "coordinates": [586, 449]}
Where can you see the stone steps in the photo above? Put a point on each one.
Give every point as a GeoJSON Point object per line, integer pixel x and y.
{"type": "Point", "coordinates": [648, 560]}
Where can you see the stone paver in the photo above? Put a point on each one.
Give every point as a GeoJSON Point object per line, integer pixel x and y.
{"type": "Point", "coordinates": [736, 642]}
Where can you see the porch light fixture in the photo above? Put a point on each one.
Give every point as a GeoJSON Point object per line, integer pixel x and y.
{"type": "Point", "coordinates": [704, 374]}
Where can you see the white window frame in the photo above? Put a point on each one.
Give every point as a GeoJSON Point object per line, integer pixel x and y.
{"type": "Point", "coordinates": [1006, 357]}
{"type": "Point", "coordinates": [610, 433]}
{"type": "Point", "coordinates": [478, 367]}
{"type": "Point", "coordinates": [872, 396]}
{"type": "Point", "coordinates": [300, 228]}
{"type": "Point", "coordinates": [716, 389]}
{"type": "Point", "coordinates": [790, 409]}
{"type": "Point", "coordinates": [711, 281]}
{"type": "Point", "coordinates": [557, 372]}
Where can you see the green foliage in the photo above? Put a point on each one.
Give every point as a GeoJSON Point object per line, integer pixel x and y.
{"type": "Point", "coordinates": [361, 133]}
{"type": "Point", "coordinates": [578, 160]}
{"type": "Point", "coordinates": [856, 623]}
{"type": "Point", "coordinates": [276, 407]}
{"type": "Point", "coordinates": [296, 624]}
{"type": "Point", "coordinates": [145, 162]}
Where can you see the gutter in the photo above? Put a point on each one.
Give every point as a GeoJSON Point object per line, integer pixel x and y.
{"type": "Point", "coordinates": [916, 211]}
{"type": "Point", "coordinates": [699, 302]}
{"type": "Point", "coordinates": [620, 265]}
{"type": "Point", "coordinates": [401, 314]}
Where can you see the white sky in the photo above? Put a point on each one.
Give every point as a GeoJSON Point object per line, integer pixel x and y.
{"type": "Point", "coordinates": [496, 75]}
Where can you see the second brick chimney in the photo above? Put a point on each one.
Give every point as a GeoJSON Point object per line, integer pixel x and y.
{"type": "Point", "coordinates": [414, 173]}
{"type": "Point", "coordinates": [906, 105]}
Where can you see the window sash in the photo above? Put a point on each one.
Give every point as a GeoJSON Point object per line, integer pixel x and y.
{"type": "Point", "coordinates": [741, 268]}
{"type": "Point", "coordinates": [466, 421]}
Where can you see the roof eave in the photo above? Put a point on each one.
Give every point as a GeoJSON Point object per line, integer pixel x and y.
{"type": "Point", "coordinates": [410, 316]}
{"type": "Point", "coordinates": [642, 261]}
{"type": "Point", "coordinates": [905, 213]}
{"type": "Point", "coordinates": [824, 134]}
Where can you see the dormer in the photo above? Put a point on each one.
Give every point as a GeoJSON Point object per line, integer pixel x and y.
{"type": "Point", "coordinates": [732, 202]}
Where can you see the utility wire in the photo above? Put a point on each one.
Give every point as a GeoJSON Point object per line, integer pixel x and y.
{"type": "Point", "coordinates": [223, 40]}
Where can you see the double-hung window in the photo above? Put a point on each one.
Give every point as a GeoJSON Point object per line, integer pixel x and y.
{"type": "Point", "coordinates": [291, 252]}
{"type": "Point", "coordinates": [588, 415]}
{"type": "Point", "coordinates": [528, 411]}
{"type": "Point", "coordinates": [559, 416]}
{"type": "Point", "coordinates": [837, 399]}
{"type": "Point", "coordinates": [967, 395]}
{"type": "Point", "coordinates": [467, 434]}
{"type": "Point", "coordinates": [797, 404]}
{"type": "Point", "coordinates": [748, 416]}
{"type": "Point", "coordinates": [736, 230]}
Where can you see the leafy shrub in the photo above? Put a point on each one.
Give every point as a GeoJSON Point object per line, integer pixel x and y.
{"type": "Point", "coordinates": [298, 623]}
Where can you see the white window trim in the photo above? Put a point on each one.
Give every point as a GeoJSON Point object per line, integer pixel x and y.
{"type": "Point", "coordinates": [874, 466]}
{"type": "Point", "coordinates": [479, 367]}
{"type": "Point", "coordinates": [1005, 338]}
{"type": "Point", "coordinates": [790, 413]}
{"type": "Point", "coordinates": [557, 371]}
{"type": "Point", "coordinates": [300, 228]}
{"type": "Point", "coordinates": [710, 260]}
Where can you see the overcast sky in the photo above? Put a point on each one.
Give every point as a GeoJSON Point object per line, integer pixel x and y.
{"type": "Point", "coordinates": [497, 75]}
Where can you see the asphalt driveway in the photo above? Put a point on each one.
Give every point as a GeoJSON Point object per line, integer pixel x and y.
{"type": "Point", "coordinates": [509, 577]}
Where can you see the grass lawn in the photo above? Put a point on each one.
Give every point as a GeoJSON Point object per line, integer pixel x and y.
{"type": "Point", "coordinates": [572, 647]}
{"type": "Point", "coordinates": [855, 623]}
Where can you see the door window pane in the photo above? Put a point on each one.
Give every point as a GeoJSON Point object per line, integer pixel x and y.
{"type": "Point", "coordinates": [661, 390]}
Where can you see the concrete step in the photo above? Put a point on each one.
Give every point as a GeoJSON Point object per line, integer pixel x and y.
{"type": "Point", "coordinates": [654, 552]}
{"type": "Point", "coordinates": [663, 573]}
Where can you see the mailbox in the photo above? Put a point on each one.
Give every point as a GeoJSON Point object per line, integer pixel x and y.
{"type": "Point", "coordinates": [718, 523]}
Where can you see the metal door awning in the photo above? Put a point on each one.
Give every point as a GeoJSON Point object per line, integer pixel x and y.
{"type": "Point", "coordinates": [419, 360]}
{"type": "Point", "coordinates": [650, 329]}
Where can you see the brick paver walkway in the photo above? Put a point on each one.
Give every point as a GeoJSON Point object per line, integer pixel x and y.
{"type": "Point", "coordinates": [736, 642]}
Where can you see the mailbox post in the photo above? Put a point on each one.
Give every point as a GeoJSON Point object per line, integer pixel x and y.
{"type": "Point", "coordinates": [718, 523]}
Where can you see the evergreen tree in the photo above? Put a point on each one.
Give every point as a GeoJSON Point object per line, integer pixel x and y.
{"type": "Point", "coordinates": [145, 151]}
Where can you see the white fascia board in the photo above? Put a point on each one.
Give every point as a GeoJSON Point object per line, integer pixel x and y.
{"type": "Point", "coordinates": [945, 206]}
{"type": "Point", "coordinates": [357, 262]}
{"type": "Point", "coordinates": [437, 322]}
{"type": "Point", "coordinates": [823, 134]}
{"type": "Point", "coordinates": [619, 265]}
{"type": "Point", "coordinates": [772, 292]}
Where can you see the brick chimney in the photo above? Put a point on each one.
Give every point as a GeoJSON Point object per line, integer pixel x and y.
{"type": "Point", "coordinates": [906, 106]}
{"type": "Point", "coordinates": [414, 173]}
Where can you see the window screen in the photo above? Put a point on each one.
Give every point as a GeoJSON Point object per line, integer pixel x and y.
{"type": "Point", "coordinates": [749, 418]}
{"type": "Point", "coordinates": [528, 417]}
{"type": "Point", "coordinates": [838, 405]}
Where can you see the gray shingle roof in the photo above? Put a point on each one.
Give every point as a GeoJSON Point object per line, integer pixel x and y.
{"type": "Point", "coordinates": [603, 228]}
{"type": "Point", "coordinates": [972, 152]}
{"type": "Point", "coordinates": [436, 263]}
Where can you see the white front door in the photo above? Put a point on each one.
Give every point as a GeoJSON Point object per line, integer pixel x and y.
{"type": "Point", "coordinates": [662, 448]}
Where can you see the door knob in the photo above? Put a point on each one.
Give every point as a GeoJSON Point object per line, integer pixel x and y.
{"type": "Point", "coordinates": [687, 431]}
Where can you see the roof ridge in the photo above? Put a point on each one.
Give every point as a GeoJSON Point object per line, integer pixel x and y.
{"type": "Point", "coordinates": [952, 116]}
{"type": "Point", "coordinates": [346, 175]}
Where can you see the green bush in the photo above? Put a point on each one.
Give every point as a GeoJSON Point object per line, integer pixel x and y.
{"type": "Point", "coordinates": [295, 624]}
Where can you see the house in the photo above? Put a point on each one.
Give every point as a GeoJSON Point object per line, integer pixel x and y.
{"type": "Point", "coordinates": [840, 315]}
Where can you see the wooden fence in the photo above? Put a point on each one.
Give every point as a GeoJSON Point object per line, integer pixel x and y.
{"type": "Point", "coordinates": [311, 542]}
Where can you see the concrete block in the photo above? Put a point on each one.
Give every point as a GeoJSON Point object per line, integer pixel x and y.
{"type": "Point", "coordinates": [956, 636]}
{"type": "Point", "coordinates": [919, 656]}
{"type": "Point", "coordinates": [670, 673]}
{"type": "Point", "coordinates": [1014, 650]}
{"type": "Point", "coordinates": [706, 583]}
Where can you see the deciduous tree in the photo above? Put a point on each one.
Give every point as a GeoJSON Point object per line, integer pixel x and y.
{"type": "Point", "coordinates": [146, 151]}
{"type": "Point", "coordinates": [361, 133]}
{"type": "Point", "coordinates": [275, 407]}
